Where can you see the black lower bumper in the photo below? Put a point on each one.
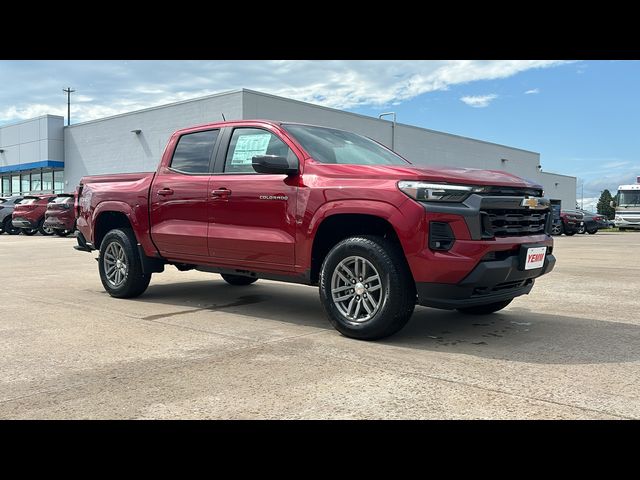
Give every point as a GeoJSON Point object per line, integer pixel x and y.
{"type": "Point", "coordinates": [489, 282]}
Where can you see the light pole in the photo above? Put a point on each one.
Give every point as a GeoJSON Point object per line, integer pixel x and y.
{"type": "Point", "coordinates": [68, 91]}
{"type": "Point", "coordinates": [393, 127]}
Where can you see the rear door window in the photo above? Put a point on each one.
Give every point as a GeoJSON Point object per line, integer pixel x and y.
{"type": "Point", "coordinates": [193, 152]}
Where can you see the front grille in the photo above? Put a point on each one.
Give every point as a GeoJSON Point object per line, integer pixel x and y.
{"type": "Point", "coordinates": [509, 223]}
{"type": "Point", "coordinates": [513, 192]}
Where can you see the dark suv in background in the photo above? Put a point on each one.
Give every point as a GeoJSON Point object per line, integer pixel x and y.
{"type": "Point", "coordinates": [28, 215]}
{"type": "Point", "coordinates": [7, 204]}
{"type": "Point", "coordinates": [60, 216]}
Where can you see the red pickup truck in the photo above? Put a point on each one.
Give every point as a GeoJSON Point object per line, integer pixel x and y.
{"type": "Point", "coordinates": [320, 206]}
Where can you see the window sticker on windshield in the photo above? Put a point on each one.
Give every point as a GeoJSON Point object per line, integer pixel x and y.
{"type": "Point", "coordinates": [249, 146]}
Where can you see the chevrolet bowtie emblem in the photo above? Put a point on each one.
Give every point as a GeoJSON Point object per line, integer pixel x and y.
{"type": "Point", "coordinates": [533, 203]}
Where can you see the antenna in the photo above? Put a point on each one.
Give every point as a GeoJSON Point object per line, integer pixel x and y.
{"type": "Point", "coordinates": [223, 116]}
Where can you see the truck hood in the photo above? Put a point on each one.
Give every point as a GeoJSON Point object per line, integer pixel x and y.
{"type": "Point", "coordinates": [465, 176]}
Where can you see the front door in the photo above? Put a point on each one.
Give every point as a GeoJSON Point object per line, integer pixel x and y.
{"type": "Point", "coordinates": [253, 216]}
{"type": "Point", "coordinates": [179, 198]}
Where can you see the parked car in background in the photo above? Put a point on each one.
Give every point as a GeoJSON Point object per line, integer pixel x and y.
{"type": "Point", "coordinates": [592, 222]}
{"type": "Point", "coordinates": [60, 216]}
{"type": "Point", "coordinates": [7, 204]}
{"type": "Point", "coordinates": [571, 221]}
{"type": "Point", "coordinates": [28, 215]}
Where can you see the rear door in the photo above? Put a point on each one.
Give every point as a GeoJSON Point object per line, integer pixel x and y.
{"type": "Point", "coordinates": [179, 197]}
{"type": "Point", "coordinates": [252, 215]}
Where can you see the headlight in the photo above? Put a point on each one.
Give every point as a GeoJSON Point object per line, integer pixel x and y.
{"type": "Point", "coordinates": [438, 192]}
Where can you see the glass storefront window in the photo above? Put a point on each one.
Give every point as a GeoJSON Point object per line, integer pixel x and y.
{"type": "Point", "coordinates": [6, 186]}
{"type": "Point", "coordinates": [26, 183]}
{"type": "Point", "coordinates": [47, 181]}
{"type": "Point", "coordinates": [15, 184]}
{"type": "Point", "coordinates": [36, 182]}
{"type": "Point", "coordinates": [58, 176]}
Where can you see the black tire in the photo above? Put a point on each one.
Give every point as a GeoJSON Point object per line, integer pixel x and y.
{"type": "Point", "coordinates": [238, 280]}
{"type": "Point", "coordinates": [582, 230]}
{"type": "Point", "coordinates": [29, 231]}
{"type": "Point", "coordinates": [556, 229]}
{"type": "Point", "coordinates": [396, 300]}
{"type": "Point", "coordinates": [47, 232]}
{"type": "Point", "coordinates": [8, 227]}
{"type": "Point", "coordinates": [569, 233]}
{"type": "Point", "coordinates": [135, 282]}
{"type": "Point", "coordinates": [485, 309]}
{"type": "Point", "coordinates": [592, 231]}
{"type": "Point", "coordinates": [61, 232]}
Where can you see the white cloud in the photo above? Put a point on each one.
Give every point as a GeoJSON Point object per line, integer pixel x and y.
{"type": "Point", "coordinates": [479, 101]}
{"type": "Point", "coordinates": [533, 91]}
{"type": "Point", "coordinates": [110, 87]}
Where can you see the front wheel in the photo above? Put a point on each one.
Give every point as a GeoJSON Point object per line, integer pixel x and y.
{"type": "Point", "coordinates": [366, 288]}
{"type": "Point", "coordinates": [29, 231]}
{"type": "Point", "coordinates": [486, 309]}
{"type": "Point", "coordinates": [120, 265]}
{"type": "Point", "coordinates": [238, 280]}
{"type": "Point", "coordinates": [556, 229]}
{"type": "Point", "coordinates": [581, 229]}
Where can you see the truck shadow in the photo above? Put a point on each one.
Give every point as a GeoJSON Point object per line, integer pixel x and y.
{"type": "Point", "coordinates": [515, 333]}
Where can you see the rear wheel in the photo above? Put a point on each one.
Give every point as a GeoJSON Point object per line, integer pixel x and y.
{"type": "Point", "coordinates": [592, 231]}
{"type": "Point", "coordinates": [366, 288]}
{"type": "Point", "coordinates": [486, 309]}
{"type": "Point", "coordinates": [47, 231]}
{"type": "Point", "coordinates": [238, 280]}
{"type": "Point", "coordinates": [29, 231]}
{"type": "Point", "coordinates": [120, 265]}
{"type": "Point", "coordinates": [8, 227]}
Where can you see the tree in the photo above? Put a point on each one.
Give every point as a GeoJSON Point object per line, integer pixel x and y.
{"type": "Point", "coordinates": [604, 207]}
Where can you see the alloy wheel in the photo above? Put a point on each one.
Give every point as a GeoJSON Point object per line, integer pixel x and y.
{"type": "Point", "coordinates": [356, 289]}
{"type": "Point", "coordinates": [116, 264]}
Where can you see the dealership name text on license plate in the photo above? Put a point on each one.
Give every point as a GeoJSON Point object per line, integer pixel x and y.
{"type": "Point", "coordinates": [535, 258]}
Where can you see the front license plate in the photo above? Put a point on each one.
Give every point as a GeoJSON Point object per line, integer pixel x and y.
{"type": "Point", "coordinates": [535, 258]}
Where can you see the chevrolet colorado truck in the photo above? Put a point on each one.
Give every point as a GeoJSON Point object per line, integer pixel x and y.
{"type": "Point", "coordinates": [319, 206]}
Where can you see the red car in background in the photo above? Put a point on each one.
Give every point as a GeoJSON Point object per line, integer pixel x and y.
{"type": "Point", "coordinates": [28, 215]}
{"type": "Point", "coordinates": [60, 216]}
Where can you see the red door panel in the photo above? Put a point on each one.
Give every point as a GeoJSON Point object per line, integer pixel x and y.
{"type": "Point", "coordinates": [255, 222]}
{"type": "Point", "coordinates": [178, 210]}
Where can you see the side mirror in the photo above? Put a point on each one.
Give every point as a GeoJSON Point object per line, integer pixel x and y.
{"type": "Point", "coordinates": [274, 164]}
{"type": "Point", "coordinates": [612, 204]}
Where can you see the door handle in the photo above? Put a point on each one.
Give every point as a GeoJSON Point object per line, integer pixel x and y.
{"type": "Point", "coordinates": [165, 191]}
{"type": "Point", "coordinates": [221, 192]}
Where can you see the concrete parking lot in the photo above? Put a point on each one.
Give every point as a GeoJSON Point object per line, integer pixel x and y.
{"type": "Point", "coordinates": [195, 347]}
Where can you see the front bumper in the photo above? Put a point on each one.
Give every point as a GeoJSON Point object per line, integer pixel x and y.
{"type": "Point", "coordinates": [489, 282]}
{"type": "Point", "coordinates": [625, 224]}
{"type": "Point", "coordinates": [21, 222]}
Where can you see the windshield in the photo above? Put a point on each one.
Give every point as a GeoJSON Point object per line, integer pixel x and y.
{"type": "Point", "coordinates": [629, 197]}
{"type": "Point", "coordinates": [29, 201]}
{"type": "Point", "coordinates": [327, 145]}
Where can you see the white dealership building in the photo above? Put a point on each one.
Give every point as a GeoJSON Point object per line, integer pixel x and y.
{"type": "Point", "coordinates": [43, 155]}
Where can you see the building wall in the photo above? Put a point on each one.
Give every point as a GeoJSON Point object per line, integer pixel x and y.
{"type": "Point", "coordinates": [108, 145]}
{"type": "Point", "coordinates": [35, 140]}
{"type": "Point", "coordinates": [418, 145]}
{"type": "Point", "coordinates": [560, 187]}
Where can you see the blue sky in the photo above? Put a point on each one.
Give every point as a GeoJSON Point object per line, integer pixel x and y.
{"type": "Point", "coordinates": [582, 116]}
